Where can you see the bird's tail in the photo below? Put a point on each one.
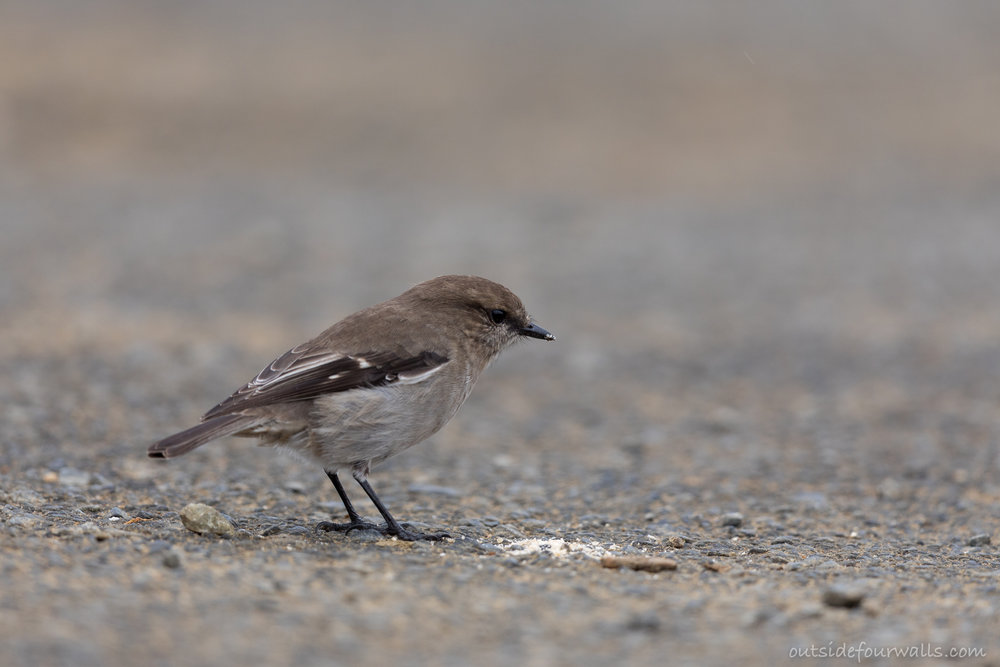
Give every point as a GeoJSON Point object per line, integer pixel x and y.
{"type": "Point", "coordinates": [196, 436]}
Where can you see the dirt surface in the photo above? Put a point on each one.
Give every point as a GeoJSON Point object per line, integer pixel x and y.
{"type": "Point", "coordinates": [768, 244]}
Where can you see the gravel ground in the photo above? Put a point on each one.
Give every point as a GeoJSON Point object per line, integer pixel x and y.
{"type": "Point", "coordinates": [769, 428]}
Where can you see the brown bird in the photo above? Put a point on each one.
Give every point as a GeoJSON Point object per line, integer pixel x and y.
{"type": "Point", "coordinates": [375, 383]}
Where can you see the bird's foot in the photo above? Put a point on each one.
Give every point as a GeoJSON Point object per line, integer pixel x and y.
{"type": "Point", "coordinates": [397, 531]}
{"type": "Point", "coordinates": [401, 533]}
{"type": "Point", "coordinates": [329, 526]}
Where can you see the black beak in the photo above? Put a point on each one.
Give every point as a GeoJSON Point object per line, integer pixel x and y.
{"type": "Point", "coordinates": [535, 331]}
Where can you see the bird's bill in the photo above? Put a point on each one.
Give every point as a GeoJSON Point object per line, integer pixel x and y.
{"type": "Point", "coordinates": [535, 331]}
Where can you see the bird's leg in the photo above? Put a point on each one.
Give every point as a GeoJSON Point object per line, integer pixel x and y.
{"type": "Point", "coordinates": [356, 522]}
{"type": "Point", "coordinates": [392, 526]}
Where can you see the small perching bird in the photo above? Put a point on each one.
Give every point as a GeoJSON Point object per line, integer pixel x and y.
{"type": "Point", "coordinates": [375, 383]}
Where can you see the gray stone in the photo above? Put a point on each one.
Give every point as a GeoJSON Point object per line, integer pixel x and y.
{"type": "Point", "coordinates": [295, 486]}
{"type": "Point", "coordinates": [847, 596]}
{"type": "Point", "coordinates": [172, 560]}
{"type": "Point", "coordinates": [206, 520]}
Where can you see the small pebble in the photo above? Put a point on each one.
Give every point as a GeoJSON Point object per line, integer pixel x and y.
{"type": "Point", "coordinates": [734, 519]}
{"type": "Point", "coordinates": [716, 566]}
{"type": "Point", "coordinates": [172, 560]}
{"type": "Point", "coordinates": [295, 486]}
{"type": "Point", "coordinates": [641, 563]}
{"type": "Point", "coordinates": [644, 622]}
{"type": "Point", "coordinates": [847, 596]}
{"type": "Point", "coordinates": [981, 540]}
{"type": "Point", "coordinates": [202, 519]}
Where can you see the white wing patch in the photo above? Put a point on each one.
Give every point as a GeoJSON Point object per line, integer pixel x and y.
{"type": "Point", "coordinates": [282, 372]}
{"type": "Point", "coordinates": [413, 377]}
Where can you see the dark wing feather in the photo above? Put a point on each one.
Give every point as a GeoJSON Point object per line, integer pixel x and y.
{"type": "Point", "coordinates": [304, 373]}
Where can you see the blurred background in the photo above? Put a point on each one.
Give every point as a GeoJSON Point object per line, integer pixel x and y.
{"type": "Point", "coordinates": [767, 236]}
{"type": "Point", "coordinates": [731, 214]}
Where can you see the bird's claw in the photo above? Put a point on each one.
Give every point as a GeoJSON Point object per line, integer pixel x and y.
{"type": "Point", "coordinates": [346, 528]}
{"type": "Point", "coordinates": [413, 536]}
{"type": "Point", "coordinates": [397, 531]}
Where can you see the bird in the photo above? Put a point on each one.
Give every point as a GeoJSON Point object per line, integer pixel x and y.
{"type": "Point", "coordinates": [372, 385]}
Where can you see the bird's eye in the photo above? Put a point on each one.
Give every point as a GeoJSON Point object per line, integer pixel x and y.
{"type": "Point", "coordinates": [498, 316]}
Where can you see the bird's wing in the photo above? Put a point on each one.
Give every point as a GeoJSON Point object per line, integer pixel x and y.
{"type": "Point", "coordinates": [306, 372]}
